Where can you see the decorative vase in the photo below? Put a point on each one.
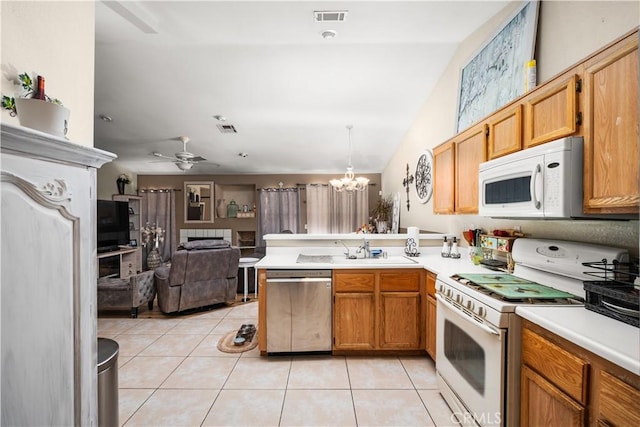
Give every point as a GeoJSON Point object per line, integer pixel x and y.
{"type": "Point", "coordinates": [381, 226]}
{"type": "Point", "coordinates": [221, 208]}
{"type": "Point", "coordinates": [121, 185]}
{"type": "Point", "coordinates": [153, 259]}
{"type": "Point", "coordinates": [232, 209]}
{"type": "Point", "coordinates": [43, 116]}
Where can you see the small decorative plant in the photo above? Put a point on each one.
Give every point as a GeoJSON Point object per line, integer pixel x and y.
{"type": "Point", "coordinates": [382, 211]}
{"type": "Point", "coordinates": [9, 103]}
{"type": "Point", "coordinates": [152, 233]}
{"type": "Point", "coordinates": [124, 178]}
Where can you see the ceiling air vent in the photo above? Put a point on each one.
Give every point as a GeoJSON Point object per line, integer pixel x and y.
{"type": "Point", "coordinates": [330, 15]}
{"type": "Point", "coordinates": [227, 128]}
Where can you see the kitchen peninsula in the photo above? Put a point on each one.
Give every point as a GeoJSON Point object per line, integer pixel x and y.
{"type": "Point", "coordinates": [365, 288]}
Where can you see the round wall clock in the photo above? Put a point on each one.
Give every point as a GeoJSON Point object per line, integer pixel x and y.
{"type": "Point", "coordinates": [424, 177]}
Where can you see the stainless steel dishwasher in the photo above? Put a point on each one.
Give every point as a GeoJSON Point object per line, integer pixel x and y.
{"type": "Point", "coordinates": [298, 311]}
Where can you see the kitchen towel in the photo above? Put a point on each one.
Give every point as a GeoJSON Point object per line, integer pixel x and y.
{"type": "Point", "coordinates": [414, 233]}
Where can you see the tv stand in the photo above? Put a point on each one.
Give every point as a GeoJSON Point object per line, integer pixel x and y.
{"type": "Point", "coordinates": [128, 260]}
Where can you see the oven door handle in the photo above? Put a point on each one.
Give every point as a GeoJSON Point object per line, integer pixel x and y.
{"type": "Point", "coordinates": [482, 326]}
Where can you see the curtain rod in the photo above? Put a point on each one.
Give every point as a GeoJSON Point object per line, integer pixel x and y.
{"type": "Point", "coordinates": [157, 190]}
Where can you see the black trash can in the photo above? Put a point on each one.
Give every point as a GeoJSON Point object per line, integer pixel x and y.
{"type": "Point", "coordinates": [107, 383]}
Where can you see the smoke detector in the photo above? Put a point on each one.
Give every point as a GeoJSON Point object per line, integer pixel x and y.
{"type": "Point", "coordinates": [330, 15]}
{"type": "Point", "coordinates": [328, 34]}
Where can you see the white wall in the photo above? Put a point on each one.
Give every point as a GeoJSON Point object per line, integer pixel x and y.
{"type": "Point", "coordinates": [54, 39]}
{"type": "Point", "coordinates": [567, 32]}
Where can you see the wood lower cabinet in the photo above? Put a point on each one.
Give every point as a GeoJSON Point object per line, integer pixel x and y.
{"type": "Point", "coordinates": [431, 307]}
{"type": "Point", "coordinates": [611, 130]}
{"type": "Point", "coordinates": [544, 404]}
{"type": "Point", "coordinates": [562, 384]}
{"type": "Point", "coordinates": [378, 309]}
{"type": "Point", "coordinates": [354, 321]}
{"type": "Point", "coordinates": [618, 402]}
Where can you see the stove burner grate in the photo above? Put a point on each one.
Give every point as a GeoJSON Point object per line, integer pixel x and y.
{"type": "Point", "coordinates": [518, 291]}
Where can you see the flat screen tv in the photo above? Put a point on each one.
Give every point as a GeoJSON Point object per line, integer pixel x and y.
{"type": "Point", "coordinates": [112, 225]}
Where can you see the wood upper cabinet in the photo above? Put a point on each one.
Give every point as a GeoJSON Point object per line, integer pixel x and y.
{"type": "Point", "coordinates": [611, 129]}
{"type": "Point", "coordinates": [505, 132]}
{"type": "Point", "coordinates": [430, 327]}
{"type": "Point", "coordinates": [470, 151]}
{"type": "Point", "coordinates": [378, 309]}
{"type": "Point", "coordinates": [551, 112]}
{"type": "Point", "coordinates": [444, 178]}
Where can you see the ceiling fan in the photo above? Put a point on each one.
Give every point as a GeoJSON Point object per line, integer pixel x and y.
{"type": "Point", "coordinates": [184, 160]}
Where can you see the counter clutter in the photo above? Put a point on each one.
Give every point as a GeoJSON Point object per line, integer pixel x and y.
{"type": "Point", "coordinates": [612, 340]}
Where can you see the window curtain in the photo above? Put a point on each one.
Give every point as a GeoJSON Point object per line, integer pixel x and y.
{"type": "Point", "coordinates": [159, 207]}
{"type": "Point", "coordinates": [277, 211]}
{"type": "Point", "coordinates": [333, 212]}
{"type": "Point", "coordinates": [318, 209]}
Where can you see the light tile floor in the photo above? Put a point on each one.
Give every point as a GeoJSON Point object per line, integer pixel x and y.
{"type": "Point", "coordinates": [172, 374]}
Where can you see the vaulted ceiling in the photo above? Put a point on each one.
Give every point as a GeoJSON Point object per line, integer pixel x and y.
{"type": "Point", "coordinates": [166, 69]}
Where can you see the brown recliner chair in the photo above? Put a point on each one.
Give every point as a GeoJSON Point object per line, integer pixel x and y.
{"type": "Point", "coordinates": [202, 273]}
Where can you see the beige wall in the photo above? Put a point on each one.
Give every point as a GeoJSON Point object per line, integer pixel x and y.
{"type": "Point", "coordinates": [258, 181]}
{"type": "Point", "coordinates": [54, 39]}
{"type": "Point", "coordinates": [567, 32]}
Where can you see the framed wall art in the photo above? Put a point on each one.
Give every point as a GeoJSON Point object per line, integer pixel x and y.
{"type": "Point", "coordinates": [495, 75]}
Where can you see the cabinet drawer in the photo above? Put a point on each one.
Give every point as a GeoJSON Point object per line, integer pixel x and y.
{"type": "Point", "coordinates": [400, 281]}
{"type": "Point", "coordinates": [619, 402]}
{"type": "Point", "coordinates": [354, 282]}
{"type": "Point", "coordinates": [563, 369]}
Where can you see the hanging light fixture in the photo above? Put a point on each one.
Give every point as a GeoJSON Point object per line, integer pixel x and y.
{"type": "Point", "coordinates": [349, 182]}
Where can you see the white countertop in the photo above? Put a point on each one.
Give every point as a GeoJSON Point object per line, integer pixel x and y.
{"type": "Point", "coordinates": [606, 337]}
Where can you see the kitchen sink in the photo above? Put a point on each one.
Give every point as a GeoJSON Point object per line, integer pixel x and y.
{"type": "Point", "coordinates": [394, 259]}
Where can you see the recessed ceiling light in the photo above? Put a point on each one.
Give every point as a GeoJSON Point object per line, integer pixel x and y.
{"type": "Point", "coordinates": [220, 118]}
{"type": "Point", "coordinates": [328, 34]}
{"type": "Point", "coordinates": [105, 118]}
{"type": "Point", "coordinates": [242, 155]}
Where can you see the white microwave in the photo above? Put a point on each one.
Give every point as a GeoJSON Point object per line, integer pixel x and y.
{"type": "Point", "coordinates": [541, 182]}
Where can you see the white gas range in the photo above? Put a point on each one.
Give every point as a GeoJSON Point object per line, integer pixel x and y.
{"type": "Point", "coordinates": [478, 332]}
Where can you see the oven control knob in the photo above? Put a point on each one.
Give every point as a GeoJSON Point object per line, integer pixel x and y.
{"type": "Point", "coordinates": [470, 305]}
{"type": "Point", "coordinates": [482, 312]}
{"type": "Point", "coordinates": [459, 298]}
{"type": "Point", "coordinates": [448, 293]}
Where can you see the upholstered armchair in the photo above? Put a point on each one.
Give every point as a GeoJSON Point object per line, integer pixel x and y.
{"type": "Point", "coordinates": [202, 273]}
{"type": "Point", "coordinates": [131, 293]}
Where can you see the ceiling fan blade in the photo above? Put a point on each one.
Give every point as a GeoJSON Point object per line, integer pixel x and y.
{"type": "Point", "coordinates": [197, 159]}
{"type": "Point", "coordinates": [162, 156]}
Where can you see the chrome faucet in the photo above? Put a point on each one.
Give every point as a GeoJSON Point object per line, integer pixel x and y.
{"type": "Point", "coordinates": [347, 254]}
{"type": "Point", "coordinates": [365, 247]}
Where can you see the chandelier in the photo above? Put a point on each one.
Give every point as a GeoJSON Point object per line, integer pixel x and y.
{"type": "Point", "coordinates": [349, 182]}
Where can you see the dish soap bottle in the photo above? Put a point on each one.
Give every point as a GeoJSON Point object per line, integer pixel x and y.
{"type": "Point", "coordinates": [446, 249]}
{"type": "Point", "coordinates": [454, 249]}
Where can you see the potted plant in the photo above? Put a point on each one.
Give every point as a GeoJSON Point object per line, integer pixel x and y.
{"type": "Point", "coordinates": [121, 181]}
{"type": "Point", "coordinates": [382, 213]}
{"type": "Point", "coordinates": [35, 109]}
